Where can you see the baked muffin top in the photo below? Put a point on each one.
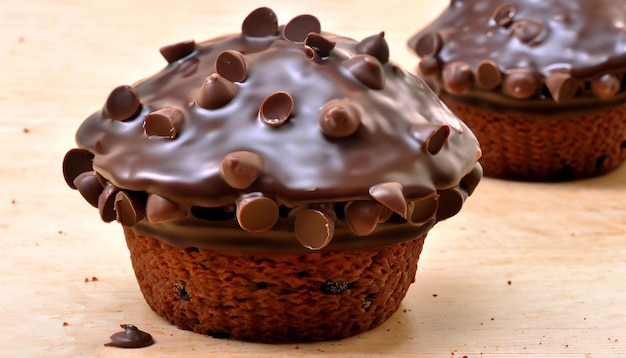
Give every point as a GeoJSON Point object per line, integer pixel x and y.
{"type": "Point", "coordinates": [569, 52]}
{"type": "Point", "coordinates": [275, 132]}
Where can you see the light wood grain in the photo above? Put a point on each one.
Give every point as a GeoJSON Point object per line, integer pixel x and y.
{"type": "Point", "coordinates": [562, 246]}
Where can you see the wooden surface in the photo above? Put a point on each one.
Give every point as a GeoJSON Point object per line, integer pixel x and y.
{"type": "Point", "coordinates": [525, 269]}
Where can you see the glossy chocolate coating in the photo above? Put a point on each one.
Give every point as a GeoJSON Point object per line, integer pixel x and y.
{"type": "Point", "coordinates": [269, 122]}
{"type": "Point", "coordinates": [575, 41]}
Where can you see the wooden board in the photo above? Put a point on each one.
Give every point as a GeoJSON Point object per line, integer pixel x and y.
{"type": "Point", "coordinates": [525, 269]}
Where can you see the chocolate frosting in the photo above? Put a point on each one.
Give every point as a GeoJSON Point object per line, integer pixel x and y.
{"type": "Point", "coordinates": [261, 141]}
{"type": "Point", "coordinates": [529, 54]}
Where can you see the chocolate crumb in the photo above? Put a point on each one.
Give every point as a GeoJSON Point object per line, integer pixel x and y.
{"type": "Point", "coordinates": [94, 279]}
{"type": "Point", "coordinates": [13, 201]}
{"type": "Point", "coordinates": [65, 324]}
{"type": "Point", "coordinates": [86, 279]}
{"type": "Point", "coordinates": [509, 282]}
{"type": "Point", "coordinates": [131, 337]}
{"type": "Point", "coordinates": [435, 295]}
{"type": "Point", "coordinates": [26, 130]}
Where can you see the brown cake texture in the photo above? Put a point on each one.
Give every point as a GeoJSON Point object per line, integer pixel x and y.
{"type": "Point", "coordinates": [275, 185]}
{"type": "Point", "coordinates": [540, 83]}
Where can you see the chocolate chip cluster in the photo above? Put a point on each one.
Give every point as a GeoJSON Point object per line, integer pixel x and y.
{"type": "Point", "coordinates": [277, 132]}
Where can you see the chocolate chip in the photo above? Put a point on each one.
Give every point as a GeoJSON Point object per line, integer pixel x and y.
{"type": "Point", "coordinates": [471, 179]}
{"type": "Point", "coordinates": [177, 51]}
{"type": "Point", "coordinates": [314, 229]}
{"type": "Point", "coordinates": [428, 44]}
{"type": "Point", "coordinates": [527, 30]}
{"type": "Point", "coordinates": [256, 213]}
{"type": "Point", "coordinates": [131, 337]}
{"type": "Point", "coordinates": [336, 287]}
{"type": "Point", "coordinates": [390, 195]}
{"type": "Point", "coordinates": [422, 210]}
{"type": "Point", "coordinates": [606, 86]}
{"type": "Point", "coordinates": [320, 44]}
{"type": "Point", "coordinates": [362, 216]}
{"type": "Point", "coordinates": [429, 66]}
{"type": "Point", "coordinates": [123, 103]}
{"type": "Point", "coordinates": [488, 75]}
{"type": "Point", "coordinates": [450, 202]}
{"type": "Point", "coordinates": [376, 46]}
{"type": "Point", "coordinates": [432, 136]}
{"type": "Point", "coordinates": [89, 187]}
{"type": "Point", "coordinates": [129, 208]}
{"type": "Point", "coordinates": [520, 83]}
{"type": "Point", "coordinates": [276, 109]}
{"type": "Point", "coordinates": [76, 162]}
{"type": "Point", "coordinates": [165, 122]}
{"type": "Point", "coordinates": [340, 118]}
{"type": "Point", "coordinates": [106, 202]}
{"type": "Point", "coordinates": [260, 23]}
{"type": "Point", "coordinates": [457, 77]}
{"type": "Point", "coordinates": [231, 65]}
{"type": "Point", "coordinates": [159, 209]}
{"type": "Point", "coordinates": [300, 27]}
{"type": "Point", "coordinates": [241, 168]}
{"type": "Point", "coordinates": [562, 86]}
{"type": "Point", "coordinates": [216, 92]}
{"type": "Point", "coordinates": [367, 69]}
{"type": "Point", "coordinates": [503, 15]}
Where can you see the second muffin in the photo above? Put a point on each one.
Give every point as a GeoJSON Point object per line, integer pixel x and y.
{"type": "Point", "coordinates": [541, 83]}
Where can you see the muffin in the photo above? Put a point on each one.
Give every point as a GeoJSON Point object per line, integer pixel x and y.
{"type": "Point", "coordinates": [540, 83]}
{"type": "Point", "coordinates": [275, 185]}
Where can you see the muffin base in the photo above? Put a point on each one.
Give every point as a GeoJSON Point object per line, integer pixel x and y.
{"type": "Point", "coordinates": [273, 297]}
{"type": "Point", "coordinates": [535, 147]}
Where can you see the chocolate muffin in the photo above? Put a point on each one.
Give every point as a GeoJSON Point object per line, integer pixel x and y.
{"type": "Point", "coordinates": [278, 184]}
{"type": "Point", "coordinates": [540, 83]}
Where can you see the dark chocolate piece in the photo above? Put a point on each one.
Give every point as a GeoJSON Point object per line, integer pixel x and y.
{"type": "Point", "coordinates": [321, 44]}
{"type": "Point", "coordinates": [177, 51]}
{"type": "Point", "coordinates": [300, 27]}
{"type": "Point", "coordinates": [130, 337]}
{"type": "Point", "coordinates": [314, 228]}
{"type": "Point", "coordinates": [216, 92]}
{"type": "Point", "coordinates": [366, 69]}
{"type": "Point", "coordinates": [123, 103]}
{"type": "Point", "coordinates": [376, 46]}
{"type": "Point", "coordinates": [76, 162]}
{"type": "Point", "coordinates": [241, 168]}
{"type": "Point", "coordinates": [231, 65]}
{"type": "Point", "coordinates": [276, 109]}
{"type": "Point", "coordinates": [260, 23]}
{"type": "Point", "coordinates": [166, 122]}
{"type": "Point", "coordinates": [256, 213]}
{"type": "Point", "coordinates": [340, 118]}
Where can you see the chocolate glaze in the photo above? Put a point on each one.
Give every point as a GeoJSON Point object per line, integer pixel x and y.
{"type": "Point", "coordinates": [546, 53]}
{"type": "Point", "coordinates": [263, 143]}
